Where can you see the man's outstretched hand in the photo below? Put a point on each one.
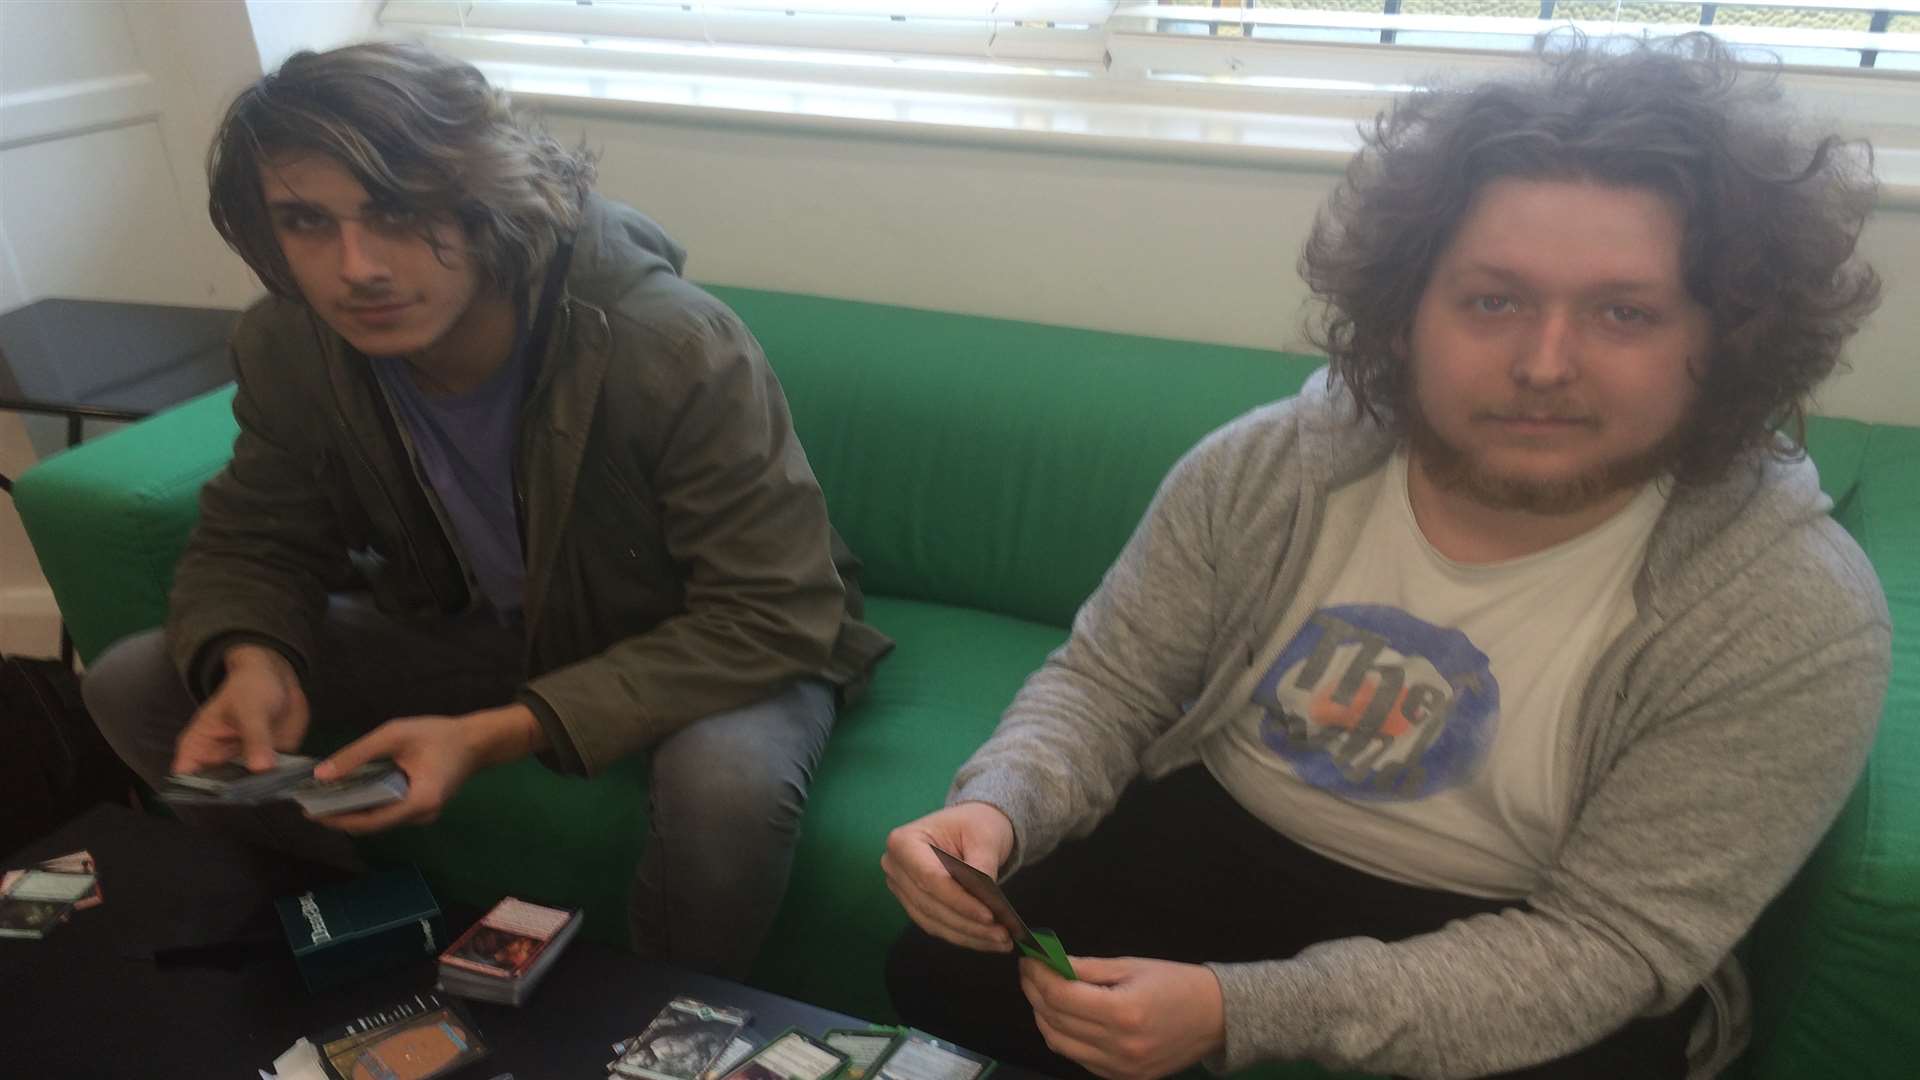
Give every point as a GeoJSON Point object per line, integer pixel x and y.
{"type": "Point", "coordinates": [438, 754]}
{"type": "Point", "coordinates": [259, 708]}
{"type": "Point", "coordinates": [982, 837]}
{"type": "Point", "coordinates": [1127, 1018]}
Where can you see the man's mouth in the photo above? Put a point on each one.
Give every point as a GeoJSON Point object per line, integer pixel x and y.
{"type": "Point", "coordinates": [376, 309]}
{"type": "Point", "coordinates": [1536, 423]}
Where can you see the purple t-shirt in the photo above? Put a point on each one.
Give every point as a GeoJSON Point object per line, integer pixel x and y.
{"type": "Point", "coordinates": [464, 446]}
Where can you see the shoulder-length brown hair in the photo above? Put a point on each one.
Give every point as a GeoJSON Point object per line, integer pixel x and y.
{"type": "Point", "coordinates": [1772, 219]}
{"type": "Point", "coordinates": [417, 129]}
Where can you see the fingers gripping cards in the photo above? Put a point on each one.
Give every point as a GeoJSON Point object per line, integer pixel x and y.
{"type": "Point", "coordinates": [1041, 944]}
{"type": "Point", "coordinates": [376, 783]}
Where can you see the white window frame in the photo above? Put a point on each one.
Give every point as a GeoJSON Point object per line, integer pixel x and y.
{"type": "Point", "coordinates": [1251, 101]}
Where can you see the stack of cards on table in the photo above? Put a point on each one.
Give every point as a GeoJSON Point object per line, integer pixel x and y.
{"type": "Point", "coordinates": [35, 900]}
{"type": "Point", "coordinates": [687, 1040]}
{"type": "Point", "coordinates": [422, 1037]}
{"type": "Point", "coordinates": [502, 957]}
{"type": "Point", "coordinates": [376, 783]}
{"type": "Point", "coordinates": [691, 1040]}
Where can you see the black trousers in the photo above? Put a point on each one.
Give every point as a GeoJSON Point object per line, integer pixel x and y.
{"type": "Point", "coordinates": [1181, 871]}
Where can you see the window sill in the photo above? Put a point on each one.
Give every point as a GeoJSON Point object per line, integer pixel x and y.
{"type": "Point", "coordinates": [1302, 128]}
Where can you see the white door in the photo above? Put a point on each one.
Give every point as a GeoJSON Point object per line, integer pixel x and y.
{"type": "Point", "coordinates": [105, 114]}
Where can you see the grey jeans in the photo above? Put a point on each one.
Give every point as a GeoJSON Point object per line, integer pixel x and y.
{"type": "Point", "coordinates": [726, 793]}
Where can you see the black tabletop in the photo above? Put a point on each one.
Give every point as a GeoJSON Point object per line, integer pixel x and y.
{"type": "Point", "coordinates": [182, 972]}
{"type": "Point", "coordinates": [134, 358]}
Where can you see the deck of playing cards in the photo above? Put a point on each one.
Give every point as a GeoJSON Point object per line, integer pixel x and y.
{"type": "Point", "coordinates": [35, 900]}
{"type": "Point", "coordinates": [684, 1041]}
{"type": "Point", "coordinates": [502, 957]}
{"type": "Point", "coordinates": [376, 783]}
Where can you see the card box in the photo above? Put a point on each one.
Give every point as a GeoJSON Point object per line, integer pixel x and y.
{"type": "Point", "coordinates": [362, 927]}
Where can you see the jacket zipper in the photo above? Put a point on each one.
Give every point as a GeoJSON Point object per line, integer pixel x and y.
{"type": "Point", "coordinates": [447, 533]}
{"type": "Point", "coordinates": [393, 505]}
{"type": "Point", "coordinates": [540, 384]}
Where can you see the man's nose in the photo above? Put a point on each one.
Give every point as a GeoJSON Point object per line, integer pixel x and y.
{"type": "Point", "coordinates": [362, 255]}
{"type": "Point", "coordinates": [1550, 354]}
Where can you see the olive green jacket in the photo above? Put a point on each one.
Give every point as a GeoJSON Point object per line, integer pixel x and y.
{"type": "Point", "coordinates": [679, 558]}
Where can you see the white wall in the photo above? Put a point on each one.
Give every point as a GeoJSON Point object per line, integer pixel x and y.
{"type": "Point", "coordinates": [284, 27]}
{"type": "Point", "coordinates": [1173, 249]}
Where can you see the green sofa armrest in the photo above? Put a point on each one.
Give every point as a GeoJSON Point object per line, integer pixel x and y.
{"type": "Point", "coordinates": [109, 517]}
{"type": "Point", "coordinates": [1836, 960]}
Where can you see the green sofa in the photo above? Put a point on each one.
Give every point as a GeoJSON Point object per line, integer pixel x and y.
{"type": "Point", "coordinates": [988, 471]}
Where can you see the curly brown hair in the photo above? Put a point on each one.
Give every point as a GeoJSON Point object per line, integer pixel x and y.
{"type": "Point", "coordinates": [419, 130]}
{"type": "Point", "coordinates": [1772, 219]}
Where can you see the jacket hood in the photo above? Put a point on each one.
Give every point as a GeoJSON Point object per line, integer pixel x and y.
{"type": "Point", "coordinates": [616, 250]}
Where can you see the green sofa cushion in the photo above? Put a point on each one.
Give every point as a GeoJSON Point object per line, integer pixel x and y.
{"type": "Point", "coordinates": [994, 464]}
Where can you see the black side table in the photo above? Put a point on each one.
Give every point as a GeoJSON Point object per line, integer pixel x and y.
{"type": "Point", "coordinates": [102, 360]}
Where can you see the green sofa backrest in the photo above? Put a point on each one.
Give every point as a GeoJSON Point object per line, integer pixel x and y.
{"type": "Point", "coordinates": [994, 464]}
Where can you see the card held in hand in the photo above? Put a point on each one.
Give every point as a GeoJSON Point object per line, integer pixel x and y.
{"type": "Point", "coordinates": [377, 783]}
{"type": "Point", "coordinates": [1043, 945]}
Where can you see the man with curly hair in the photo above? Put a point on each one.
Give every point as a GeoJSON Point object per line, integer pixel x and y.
{"type": "Point", "coordinates": [1459, 715]}
{"type": "Point", "coordinates": [505, 485]}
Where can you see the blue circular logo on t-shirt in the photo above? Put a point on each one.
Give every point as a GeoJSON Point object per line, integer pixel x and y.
{"type": "Point", "coordinates": [1369, 702]}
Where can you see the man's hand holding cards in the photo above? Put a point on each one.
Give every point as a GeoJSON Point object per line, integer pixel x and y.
{"type": "Point", "coordinates": [290, 778]}
{"type": "Point", "coordinates": [1043, 945]}
{"type": "Point", "coordinates": [978, 833]}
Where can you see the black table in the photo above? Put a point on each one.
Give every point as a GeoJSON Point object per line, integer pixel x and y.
{"type": "Point", "coordinates": [99, 359]}
{"type": "Point", "coordinates": [85, 1003]}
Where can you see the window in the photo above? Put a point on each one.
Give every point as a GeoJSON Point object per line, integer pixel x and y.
{"type": "Point", "coordinates": [1817, 34]}
{"type": "Point", "coordinates": [1219, 39]}
{"type": "Point", "coordinates": [1224, 80]}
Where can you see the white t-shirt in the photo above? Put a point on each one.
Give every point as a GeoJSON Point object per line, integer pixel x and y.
{"type": "Point", "coordinates": [1414, 727]}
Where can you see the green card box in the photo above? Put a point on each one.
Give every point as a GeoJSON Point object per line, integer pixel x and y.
{"type": "Point", "coordinates": [362, 927]}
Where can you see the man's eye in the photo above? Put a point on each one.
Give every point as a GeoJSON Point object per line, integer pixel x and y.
{"type": "Point", "coordinates": [302, 221]}
{"type": "Point", "coordinates": [1492, 305]}
{"type": "Point", "coordinates": [1628, 315]}
{"type": "Point", "coordinates": [393, 217]}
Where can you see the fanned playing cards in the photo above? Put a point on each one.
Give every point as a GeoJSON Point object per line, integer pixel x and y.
{"type": "Point", "coordinates": [376, 783]}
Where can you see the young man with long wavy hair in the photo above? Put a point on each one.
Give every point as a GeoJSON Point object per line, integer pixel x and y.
{"type": "Point", "coordinates": [1458, 716]}
{"type": "Point", "coordinates": [505, 485]}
